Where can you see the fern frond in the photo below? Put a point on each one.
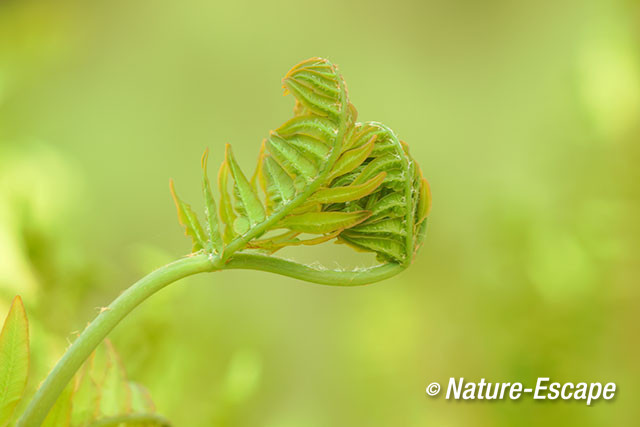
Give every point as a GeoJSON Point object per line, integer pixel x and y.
{"type": "Point", "coordinates": [321, 173]}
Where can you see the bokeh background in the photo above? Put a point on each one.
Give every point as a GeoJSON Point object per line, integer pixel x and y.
{"type": "Point", "coordinates": [525, 118]}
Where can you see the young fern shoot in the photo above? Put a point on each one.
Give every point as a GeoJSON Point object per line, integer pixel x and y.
{"type": "Point", "coordinates": [320, 173]}
{"type": "Point", "coordinates": [321, 176]}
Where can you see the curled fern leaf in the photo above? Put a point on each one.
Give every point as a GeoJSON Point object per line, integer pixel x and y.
{"type": "Point", "coordinates": [320, 173]}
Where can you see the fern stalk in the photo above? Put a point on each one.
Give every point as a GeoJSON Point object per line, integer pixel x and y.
{"type": "Point", "coordinates": [98, 330]}
{"type": "Point", "coordinates": [109, 317]}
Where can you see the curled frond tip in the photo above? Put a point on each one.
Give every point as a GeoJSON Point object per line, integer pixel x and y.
{"type": "Point", "coordinates": [321, 176]}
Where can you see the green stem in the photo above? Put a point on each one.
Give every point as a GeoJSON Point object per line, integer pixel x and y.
{"type": "Point", "coordinates": [109, 317]}
{"type": "Point", "coordinates": [93, 335]}
{"type": "Point", "coordinates": [283, 267]}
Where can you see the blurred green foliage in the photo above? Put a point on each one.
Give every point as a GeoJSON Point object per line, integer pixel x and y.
{"type": "Point", "coordinates": [522, 115]}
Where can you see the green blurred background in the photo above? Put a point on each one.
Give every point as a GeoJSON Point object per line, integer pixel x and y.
{"type": "Point", "coordinates": [525, 118]}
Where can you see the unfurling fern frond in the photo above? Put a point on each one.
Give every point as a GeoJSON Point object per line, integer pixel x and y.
{"type": "Point", "coordinates": [320, 173]}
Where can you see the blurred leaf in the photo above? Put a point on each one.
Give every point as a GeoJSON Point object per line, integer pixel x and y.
{"type": "Point", "coordinates": [104, 396]}
{"type": "Point", "coordinates": [141, 399]}
{"type": "Point", "coordinates": [86, 397]}
{"type": "Point", "coordinates": [60, 414]}
{"type": "Point", "coordinates": [115, 395]}
{"type": "Point", "coordinates": [14, 359]}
